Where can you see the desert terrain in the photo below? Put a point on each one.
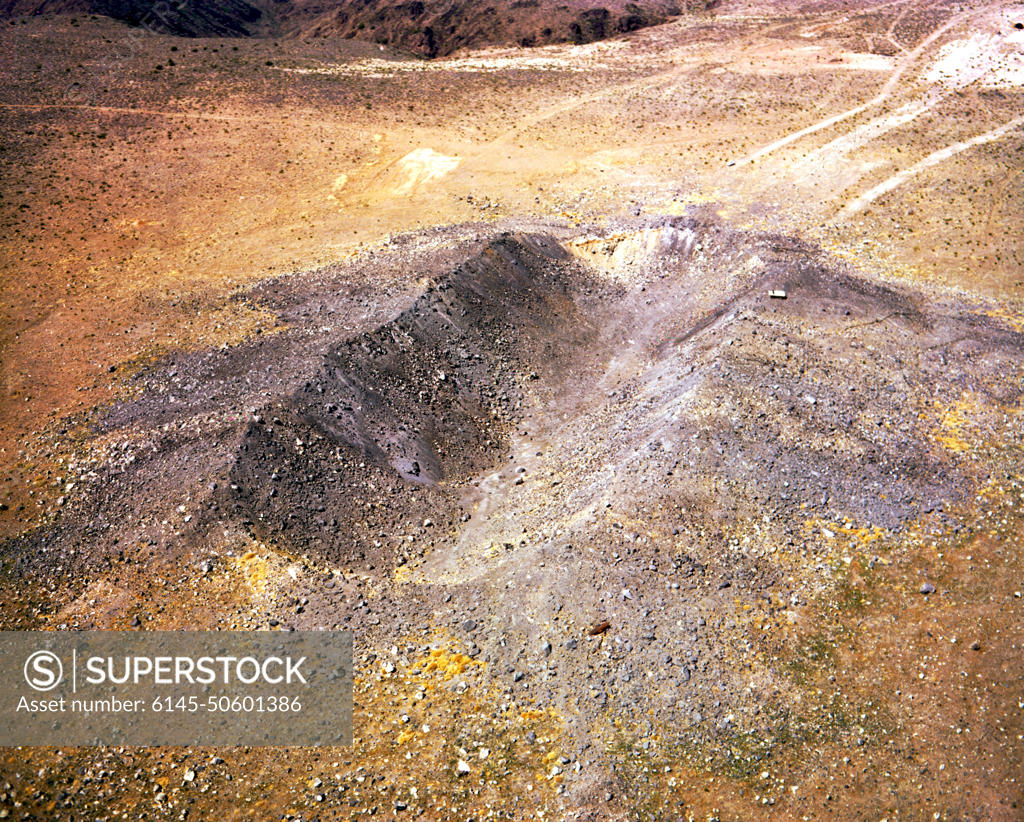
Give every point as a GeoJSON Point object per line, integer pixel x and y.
{"type": "Point", "coordinates": [648, 402]}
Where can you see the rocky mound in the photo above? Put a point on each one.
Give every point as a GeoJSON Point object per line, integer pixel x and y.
{"type": "Point", "coordinates": [584, 459]}
{"type": "Point", "coordinates": [639, 383]}
{"type": "Point", "coordinates": [325, 440]}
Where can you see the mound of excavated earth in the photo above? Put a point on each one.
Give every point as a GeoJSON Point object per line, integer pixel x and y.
{"type": "Point", "coordinates": [603, 465]}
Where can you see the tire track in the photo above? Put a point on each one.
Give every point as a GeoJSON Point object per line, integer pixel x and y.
{"type": "Point", "coordinates": [887, 90]}
{"type": "Point", "coordinates": [932, 159]}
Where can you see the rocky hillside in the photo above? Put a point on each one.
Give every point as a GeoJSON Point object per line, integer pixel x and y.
{"type": "Point", "coordinates": [440, 27]}
{"type": "Point", "coordinates": [197, 18]}
{"type": "Point", "coordinates": [429, 28]}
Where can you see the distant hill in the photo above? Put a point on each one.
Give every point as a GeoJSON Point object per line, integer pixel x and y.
{"type": "Point", "coordinates": [430, 28]}
{"type": "Point", "coordinates": [434, 28]}
{"type": "Point", "coordinates": [193, 18]}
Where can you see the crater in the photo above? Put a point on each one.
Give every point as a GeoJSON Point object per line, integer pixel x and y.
{"type": "Point", "coordinates": [536, 386]}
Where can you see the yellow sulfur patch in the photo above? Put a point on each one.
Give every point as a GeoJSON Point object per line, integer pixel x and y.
{"type": "Point", "coordinates": [951, 422]}
{"type": "Point", "coordinates": [448, 664]}
{"type": "Point", "coordinates": [256, 571]}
